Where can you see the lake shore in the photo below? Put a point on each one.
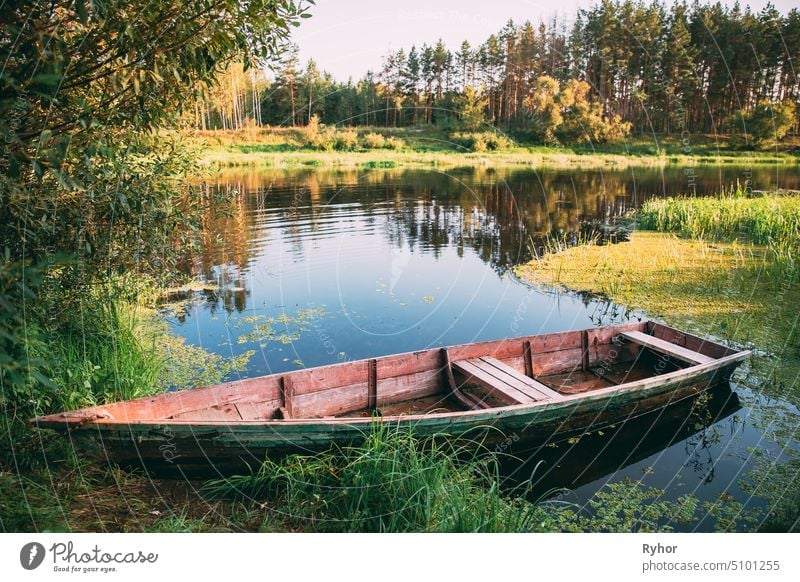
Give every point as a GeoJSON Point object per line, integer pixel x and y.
{"type": "Point", "coordinates": [433, 148]}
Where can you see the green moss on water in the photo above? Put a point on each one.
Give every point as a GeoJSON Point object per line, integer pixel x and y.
{"type": "Point", "coordinates": [727, 290]}
{"type": "Point", "coordinates": [284, 328]}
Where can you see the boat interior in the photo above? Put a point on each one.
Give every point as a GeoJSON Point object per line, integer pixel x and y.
{"type": "Point", "coordinates": [467, 377]}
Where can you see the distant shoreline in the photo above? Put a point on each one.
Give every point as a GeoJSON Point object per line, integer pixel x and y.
{"type": "Point", "coordinates": [429, 147]}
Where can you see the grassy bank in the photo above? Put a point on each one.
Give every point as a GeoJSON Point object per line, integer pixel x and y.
{"type": "Point", "coordinates": [770, 220]}
{"type": "Point", "coordinates": [104, 348]}
{"type": "Point", "coordinates": [721, 289]}
{"type": "Point", "coordinates": [432, 147]}
{"type": "Point", "coordinates": [736, 279]}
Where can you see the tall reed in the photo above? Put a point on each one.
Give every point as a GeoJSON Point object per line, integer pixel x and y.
{"type": "Point", "coordinates": [390, 483]}
{"type": "Point", "coordinates": [771, 220]}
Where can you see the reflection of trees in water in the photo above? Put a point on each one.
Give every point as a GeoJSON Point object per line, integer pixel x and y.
{"type": "Point", "coordinates": [496, 214]}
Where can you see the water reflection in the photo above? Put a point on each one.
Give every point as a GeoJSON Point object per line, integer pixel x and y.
{"type": "Point", "coordinates": [497, 214]}
{"type": "Point", "coordinates": [692, 425]}
{"type": "Point", "coordinates": [410, 259]}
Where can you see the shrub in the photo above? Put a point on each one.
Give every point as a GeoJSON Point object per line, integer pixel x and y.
{"type": "Point", "coordinates": [479, 144]}
{"type": "Point", "coordinates": [345, 140]}
{"type": "Point", "coordinates": [317, 135]}
{"type": "Point", "coordinates": [374, 141]}
{"type": "Point", "coordinates": [566, 112]}
{"type": "Point", "coordinates": [481, 141]}
{"type": "Point", "coordinates": [395, 143]}
{"type": "Point", "coordinates": [769, 121]}
{"type": "Point", "coordinates": [313, 129]}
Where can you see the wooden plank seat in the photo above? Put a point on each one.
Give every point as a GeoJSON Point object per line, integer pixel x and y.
{"type": "Point", "coordinates": [665, 347]}
{"type": "Point", "coordinates": [504, 382]}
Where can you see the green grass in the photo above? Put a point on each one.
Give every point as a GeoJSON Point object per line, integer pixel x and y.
{"type": "Point", "coordinates": [391, 483]}
{"type": "Point", "coordinates": [435, 147]}
{"type": "Point", "coordinates": [770, 220]}
{"type": "Point", "coordinates": [396, 483]}
{"type": "Point", "coordinates": [101, 356]}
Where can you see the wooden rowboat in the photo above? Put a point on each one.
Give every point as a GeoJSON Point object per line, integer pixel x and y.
{"type": "Point", "coordinates": [535, 386]}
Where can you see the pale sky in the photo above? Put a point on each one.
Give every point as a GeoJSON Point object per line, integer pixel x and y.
{"type": "Point", "coordinates": [349, 37]}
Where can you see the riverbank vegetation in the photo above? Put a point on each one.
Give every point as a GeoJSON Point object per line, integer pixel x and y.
{"type": "Point", "coordinates": [376, 147]}
{"type": "Point", "coordinates": [97, 210]}
{"type": "Point", "coordinates": [770, 220]}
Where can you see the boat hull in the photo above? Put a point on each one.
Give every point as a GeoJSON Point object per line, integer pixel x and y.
{"type": "Point", "coordinates": [202, 449]}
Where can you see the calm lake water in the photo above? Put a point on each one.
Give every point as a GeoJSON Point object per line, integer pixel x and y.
{"type": "Point", "coordinates": [315, 267]}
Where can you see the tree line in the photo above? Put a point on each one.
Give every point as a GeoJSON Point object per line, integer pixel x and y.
{"type": "Point", "coordinates": [664, 69]}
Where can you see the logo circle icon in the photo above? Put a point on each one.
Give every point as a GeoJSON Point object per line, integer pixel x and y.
{"type": "Point", "coordinates": [31, 555]}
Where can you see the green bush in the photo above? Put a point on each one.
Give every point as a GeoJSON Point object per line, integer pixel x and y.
{"type": "Point", "coordinates": [769, 121]}
{"type": "Point", "coordinates": [481, 141]}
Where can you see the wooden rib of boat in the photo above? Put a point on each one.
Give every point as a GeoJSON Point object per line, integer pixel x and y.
{"type": "Point", "coordinates": [547, 385]}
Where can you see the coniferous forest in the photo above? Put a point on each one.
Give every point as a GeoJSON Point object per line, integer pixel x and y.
{"type": "Point", "coordinates": [614, 68]}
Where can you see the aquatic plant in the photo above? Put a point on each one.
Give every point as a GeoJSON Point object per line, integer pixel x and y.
{"type": "Point", "coordinates": [772, 220]}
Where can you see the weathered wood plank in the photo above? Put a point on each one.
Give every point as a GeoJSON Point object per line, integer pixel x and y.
{"type": "Point", "coordinates": [399, 388]}
{"type": "Point", "coordinates": [555, 342]}
{"type": "Point", "coordinates": [529, 386]}
{"type": "Point", "coordinates": [689, 341]}
{"type": "Point", "coordinates": [171, 403]}
{"type": "Point", "coordinates": [585, 350]}
{"type": "Point", "coordinates": [372, 384]}
{"type": "Point", "coordinates": [330, 402]}
{"type": "Point", "coordinates": [222, 412]}
{"type": "Point", "coordinates": [556, 362]}
{"type": "Point", "coordinates": [502, 350]}
{"type": "Point", "coordinates": [405, 364]}
{"type": "Point", "coordinates": [450, 382]}
{"type": "Point", "coordinates": [257, 410]}
{"type": "Point", "coordinates": [500, 390]}
{"type": "Point", "coordinates": [612, 353]}
{"type": "Point", "coordinates": [528, 358]}
{"type": "Point", "coordinates": [328, 377]}
{"type": "Point", "coordinates": [287, 394]}
{"type": "Point", "coordinates": [606, 335]}
{"type": "Point", "coordinates": [665, 347]}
